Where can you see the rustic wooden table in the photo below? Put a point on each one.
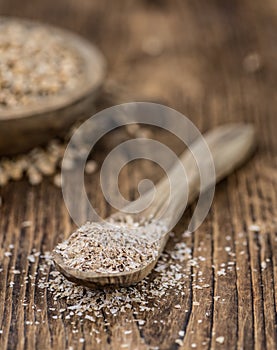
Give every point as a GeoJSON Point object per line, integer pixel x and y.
{"type": "Point", "coordinates": [214, 61]}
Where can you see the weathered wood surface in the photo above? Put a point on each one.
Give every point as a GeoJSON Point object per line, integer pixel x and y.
{"type": "Point", "coordinates": [204, 70]}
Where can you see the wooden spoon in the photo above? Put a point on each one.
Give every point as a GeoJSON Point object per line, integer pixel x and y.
{"type": "Point", "coordinates": [230, 146]}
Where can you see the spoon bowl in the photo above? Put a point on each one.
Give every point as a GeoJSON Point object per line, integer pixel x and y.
{"type": "Point", "coordinates": [98, 280]}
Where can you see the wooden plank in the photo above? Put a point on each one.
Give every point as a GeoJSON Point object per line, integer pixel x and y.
{"type": "Point", "coordinates": [199, 68]}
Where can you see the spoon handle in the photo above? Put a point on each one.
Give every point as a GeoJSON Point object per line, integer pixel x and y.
{"type": "Point", "coordinates": [230, 145]}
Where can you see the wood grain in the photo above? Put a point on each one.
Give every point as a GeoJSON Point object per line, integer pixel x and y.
{"type": "Point", "coordinates": [201, 69]}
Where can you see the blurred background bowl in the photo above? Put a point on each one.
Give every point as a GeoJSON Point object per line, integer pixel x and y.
{"type": "Point", "coordinates": [23, 128]}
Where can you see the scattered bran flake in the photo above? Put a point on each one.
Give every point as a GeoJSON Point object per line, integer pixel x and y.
{"type": "Point", "coordinates": [88, 317]}
{"type": "Point", "coordinates": [221, 272]}
{"type": "Point", "coordinates": [31, 258]}
{"type": "Point", "coordinates": [179, 342]}
{"type": "Point", "coordinates": [92, 304]}
{"type": "Point", "coordinates": [254, 228]}
{"type": "Point", "coordinates": [26, 224]}
{"type": "Point", "coordinates": [220, 340]}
